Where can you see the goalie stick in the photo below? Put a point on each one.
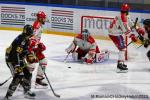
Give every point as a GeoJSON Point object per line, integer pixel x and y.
{"type": "Point", "coordinates": [5, 81]}
{"type": "Point", "coordinates": [140, 46]}
{"type": "Point", "coordinates": [51, 86]}
{"type": "Point", "coordinates": [65, 60]}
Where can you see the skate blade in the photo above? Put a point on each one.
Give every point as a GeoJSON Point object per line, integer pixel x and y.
{"type": "Point", "coordinates": [41, 87]}
{"type": "Point", "coordinates": [28, 97]}
{"type": "Point", "coordinates": [121, 71]}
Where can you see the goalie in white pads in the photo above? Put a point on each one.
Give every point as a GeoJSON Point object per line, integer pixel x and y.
{"type": "Point", "coordinates": [122, 25]}
{"type": "Point", "coordinates": [84, 48]}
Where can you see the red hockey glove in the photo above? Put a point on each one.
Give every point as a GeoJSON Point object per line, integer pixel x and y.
{"type": "Point", "coordinates": [41, 46]}
{"type": "Point", "coordinates": [133, 37]}
{"type": "Point", "coordinates": [140, 31]}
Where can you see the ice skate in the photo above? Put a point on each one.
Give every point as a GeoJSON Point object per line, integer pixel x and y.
{"type": "Point", "coordinates": [40, 84]}
{"type": "Point", "coordinates": [122, 68]}
{"type": "Point", "coordinates": [6, 98]}
{"type": "Point", "coordinates": [29, 95]}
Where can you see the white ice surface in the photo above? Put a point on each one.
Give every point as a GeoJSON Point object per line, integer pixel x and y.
{"type": "Point", "coordinates": [81, 81]}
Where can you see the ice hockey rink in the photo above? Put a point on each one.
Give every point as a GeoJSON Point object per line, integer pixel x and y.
{"type": "Point", "coordinates": [98, 81]}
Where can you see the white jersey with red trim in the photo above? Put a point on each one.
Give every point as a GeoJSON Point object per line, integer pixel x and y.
{"type": "Point", "coordinates": [120, 26]}
{"type": "Point", "coordinates": [85, 45]}
{"type": "Point", "coordinates": [38, 30]}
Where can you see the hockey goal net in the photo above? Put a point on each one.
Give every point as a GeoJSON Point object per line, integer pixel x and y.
{"type": "Point", "coordinates": [98, 27]}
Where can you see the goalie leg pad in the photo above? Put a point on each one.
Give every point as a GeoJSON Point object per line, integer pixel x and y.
{"type": "Point", "coordinates": [103, 56]}
{"type": "Point", "coordinates": [75, 56]}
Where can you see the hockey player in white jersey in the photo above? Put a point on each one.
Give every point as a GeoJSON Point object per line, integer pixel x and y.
{"type": "Point", "coordinates": [84, 48]}
{"type": "Point", "coordinates": [37, 47]}
{"type": "Point", "coordinates": [122, 25]}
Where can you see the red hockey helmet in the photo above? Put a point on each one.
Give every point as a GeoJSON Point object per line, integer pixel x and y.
{"type": "Point", "coordinates": [125, 7]}
{"type": "Point", "coordinates": [41, 14]}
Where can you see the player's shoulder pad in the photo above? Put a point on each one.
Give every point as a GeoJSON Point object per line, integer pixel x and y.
{"type": "Point", "coordinates": [36, 25]}
{"type": "Point", "coordinates": [91, 39]}
{"type": "Point", "coordinates": [79, 36]}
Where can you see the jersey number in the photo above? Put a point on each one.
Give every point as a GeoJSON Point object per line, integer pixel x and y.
{"type": "Point", "coordinates": [19, 49]}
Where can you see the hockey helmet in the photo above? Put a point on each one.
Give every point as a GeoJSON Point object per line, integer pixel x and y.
{"type": "Point", "coordinates": [28, 30]}
{"type": "Point", "coordinates": [85, 34]}
{"type": "Point", "coordinates": [41, 14]}
{"type": "Point", "coordinates": [125, 8]}
{"type": "Point", "coordinates": [146, 22]}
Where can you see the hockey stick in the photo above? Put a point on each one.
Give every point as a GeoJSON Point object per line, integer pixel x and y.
{"type": "Point", "coordinates": [51, 86]}
{"type": "Point", "coordinates": [5, 81]}
{"type": "Point", "coordinates": [134, 26]}
{"type": "Point", "coordinates": [140, 46]}
{"type": "Point", "coordinates": [65, 60]}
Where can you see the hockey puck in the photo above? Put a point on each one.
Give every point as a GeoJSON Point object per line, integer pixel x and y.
{"type": "Point", "coordinates": [69, 67]}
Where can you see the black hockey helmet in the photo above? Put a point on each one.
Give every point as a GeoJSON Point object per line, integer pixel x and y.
{"type": "Point", "coordinates": [28, 30]}
{"type": "Point", "coordinates": [146, 22]}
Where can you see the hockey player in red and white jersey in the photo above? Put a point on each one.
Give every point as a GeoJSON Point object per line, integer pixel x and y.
{"type": "Point", "coordinates": [122, 25]}
{"type": "Point", "coordinates": [84, 48]}
{"type": "Point", "coordinates": [37, 47]}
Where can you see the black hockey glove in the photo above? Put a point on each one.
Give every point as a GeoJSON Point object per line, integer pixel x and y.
{"type": "Point", "coordinates": [19, 69]}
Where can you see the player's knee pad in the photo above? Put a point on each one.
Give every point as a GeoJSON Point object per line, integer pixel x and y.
{"type": "Point", "coordinates": [75, 56]}
{"type": "Point", "coordinates": [103, 56]}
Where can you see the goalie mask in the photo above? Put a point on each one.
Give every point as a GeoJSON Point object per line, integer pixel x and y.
{"type": "Point", "coordinates": [85, 34]}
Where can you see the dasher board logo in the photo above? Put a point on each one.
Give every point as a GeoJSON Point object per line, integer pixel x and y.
{"type": "Point", "coordinates": [12, 15]}
{"type": "Point", "coordinates": [62, 19]}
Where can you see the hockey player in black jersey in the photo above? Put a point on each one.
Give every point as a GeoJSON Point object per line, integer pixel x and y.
{"type": "Point", "coordinates": [146, 23]}
{"type": "Point", "coordinates": [16, 54]}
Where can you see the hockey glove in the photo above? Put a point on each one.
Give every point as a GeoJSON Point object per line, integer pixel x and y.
{"type": "Point", "coordinates": [19, 69]}
{"type": "Point", "coordinates": [31, 58]}
{"type": "Point", "coordinates": [140, 31]}
{"type": "Point", "coordinates": [41, 46]}
{"type": "Point", "coordinates": [71, 48]}
{"type": "Point", "coordinates": [133, 37]}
